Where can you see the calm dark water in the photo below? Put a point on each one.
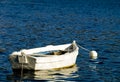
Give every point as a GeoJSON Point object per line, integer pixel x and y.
{"type": "Point", "coordinates": [34, 23]}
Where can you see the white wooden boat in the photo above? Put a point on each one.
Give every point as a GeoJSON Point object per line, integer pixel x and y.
{"type": "Point", "coordinates": [45, 58]}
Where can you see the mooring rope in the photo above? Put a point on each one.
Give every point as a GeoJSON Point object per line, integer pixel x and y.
{"type": "Point", "coordinates": [92, 54]}
{"type": "Point", "coordinates": [84, 48]}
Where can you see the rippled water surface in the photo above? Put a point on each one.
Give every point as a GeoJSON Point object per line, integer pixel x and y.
{"type": "Point", "coordinates": [94, 24]}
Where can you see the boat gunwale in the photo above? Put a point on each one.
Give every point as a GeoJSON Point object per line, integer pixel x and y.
{"type": "Point", "coordinates": [40, 49]}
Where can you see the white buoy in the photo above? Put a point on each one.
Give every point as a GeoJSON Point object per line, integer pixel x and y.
{"type": "Point", "coordinates": [93, 54]}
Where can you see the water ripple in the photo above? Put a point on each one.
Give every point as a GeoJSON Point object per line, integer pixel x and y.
{"type": "Point", "coordinates": [93, 24]}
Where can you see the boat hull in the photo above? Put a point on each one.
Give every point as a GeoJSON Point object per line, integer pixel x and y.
{"type": "Point", "coordinates": [32, 62]}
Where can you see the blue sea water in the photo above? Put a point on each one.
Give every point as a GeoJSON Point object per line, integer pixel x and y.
{"type": "Point", "coordinates": [94, 24]}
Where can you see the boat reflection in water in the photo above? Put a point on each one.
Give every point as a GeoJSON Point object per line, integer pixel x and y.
{"type": "Point", "coordinates": [47, 75]}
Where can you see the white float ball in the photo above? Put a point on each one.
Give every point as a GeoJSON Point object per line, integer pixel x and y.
{"type": "Point", "coordinates": [93, 54]}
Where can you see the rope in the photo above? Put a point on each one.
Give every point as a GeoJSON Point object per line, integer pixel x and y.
{"type": "Point", "coordinates": [22, 66]}
{"type": "Point", "coordinates": [84, 48]}
{"type": "Point", "coordinates": [21, 71]}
